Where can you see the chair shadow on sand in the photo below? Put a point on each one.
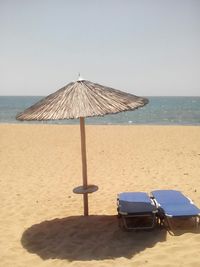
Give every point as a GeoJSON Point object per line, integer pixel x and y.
{"type": "Point", "coordinates": [180, 226]}
{"type": "Point", "coordinates": [96, 237]}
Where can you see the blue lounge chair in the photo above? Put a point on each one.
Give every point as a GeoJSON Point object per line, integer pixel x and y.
{"type": "Point", "coordinates": [136, 210]}
{"type": "Point", "coordinates": [173, 204]}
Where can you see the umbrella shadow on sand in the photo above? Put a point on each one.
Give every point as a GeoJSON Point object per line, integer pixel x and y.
{"type": "Point", "coordinates": [83, 238]}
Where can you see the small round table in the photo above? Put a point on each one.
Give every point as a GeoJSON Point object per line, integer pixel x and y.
{"type": "Point", "coordinates": [88, 190]}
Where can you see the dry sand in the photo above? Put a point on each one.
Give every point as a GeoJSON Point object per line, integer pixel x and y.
{"type": "Point", "coordinates": [41, 223]}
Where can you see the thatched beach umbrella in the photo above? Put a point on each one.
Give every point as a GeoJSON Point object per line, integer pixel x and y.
{"type": "Point", "coordinates": [82, 99]}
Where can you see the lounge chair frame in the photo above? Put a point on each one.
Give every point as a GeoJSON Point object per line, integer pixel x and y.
{"type": "Point", "coordinates": [125, 217]}
{"type": "Point", "coordinates": [165, 219]}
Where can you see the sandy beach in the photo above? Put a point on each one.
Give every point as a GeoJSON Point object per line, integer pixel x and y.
{"type": "Point", "coordinates": [41, 222]}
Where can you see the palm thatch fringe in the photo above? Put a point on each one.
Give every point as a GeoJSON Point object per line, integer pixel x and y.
{"type": "Point", "coordinates": [82, 99]}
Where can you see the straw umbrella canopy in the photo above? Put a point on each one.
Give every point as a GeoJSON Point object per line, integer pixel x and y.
{"type": "Point", "coordinates": [82, 99]}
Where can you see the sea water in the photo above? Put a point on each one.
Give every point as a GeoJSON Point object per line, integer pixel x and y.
{"type": "Point", "coordinates": [159, 111]}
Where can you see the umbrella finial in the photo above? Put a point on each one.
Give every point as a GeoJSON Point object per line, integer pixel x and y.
{"type": "Point", "coordinates": [80, 78]}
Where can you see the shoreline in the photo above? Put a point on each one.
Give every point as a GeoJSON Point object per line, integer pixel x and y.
{"type": "Point", "coordinates": [87, 124]}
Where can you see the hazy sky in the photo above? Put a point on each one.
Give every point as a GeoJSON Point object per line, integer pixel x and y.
{"type": "Point", "coordinates": [145, 47]}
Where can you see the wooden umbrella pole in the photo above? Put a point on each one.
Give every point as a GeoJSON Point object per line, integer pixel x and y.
{"type": "Point", "coordinates": [84, 164]}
